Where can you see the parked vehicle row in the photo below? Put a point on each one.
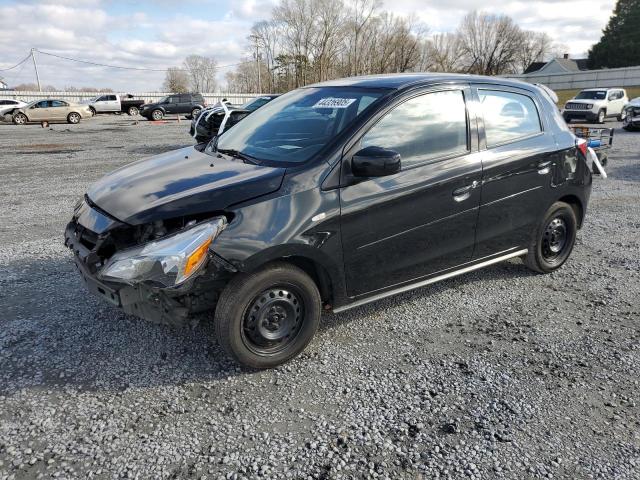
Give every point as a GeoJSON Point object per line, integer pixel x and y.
{"type": "Point", "coordinates": [332, 196]}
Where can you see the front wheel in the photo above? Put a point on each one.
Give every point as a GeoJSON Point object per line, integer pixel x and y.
{"type": "Point", "coordinates": [73, 118]}
{"type": "Point", "coordinates": [601, 116]}
{"type": "Point", "coordinates": [267, 317]}
{"type": "Point", "coordinates": [132, 111]}
{"type": "Point", "coordinates": [20, 119]}
{"type": "Point", "coordinates": [93, 111]}
{"type": "Point", "coordinates": [553, 241]}
{"type": "Point", "coordinates": [157, 115]}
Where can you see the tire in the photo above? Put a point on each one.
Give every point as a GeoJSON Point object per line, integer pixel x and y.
{"type": "Point", "coordinates": [195, 112]}
{"type": "Point", "coordinates": [157, 115]}
{"type": "Point", "coordinates": [553, 240]}
{"type": "Point", "coordinates": [20, 119]}
{"type": "Point", "coordinates": [602, 115]}
{"type": "Point", "coordinates": [132, 111]}
{"type": "Point", "coordinates": [93, 111]}
{"type": "Point", "coordinates": [74, 118]}
{"type": "Point", "coordinates": [286, 306]}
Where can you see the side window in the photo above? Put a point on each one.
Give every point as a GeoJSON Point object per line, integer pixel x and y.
{"type": "Point", "coordinates": [112, 98]}
{"type": "Point", "coordinates": [508, 116]}
{"type": "Point", "coordinates": [58, 103]}
{"type": "Point", "coordinates": [102, 99]}
{"type": "Point", "coordinates": [184, 99]}
{"type": "Point", "coordinates": [423, 128]}
{"type": "Point", "coordinates": [173, 100]}
{"type": "Point", "coordinates": [42, 104]}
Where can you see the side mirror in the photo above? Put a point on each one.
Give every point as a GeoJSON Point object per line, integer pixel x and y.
{"type": "Point", "coordinates": [375, 162]}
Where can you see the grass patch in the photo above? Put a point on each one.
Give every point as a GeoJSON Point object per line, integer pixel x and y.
{"type": "Point", "coordinates": [566, 95]}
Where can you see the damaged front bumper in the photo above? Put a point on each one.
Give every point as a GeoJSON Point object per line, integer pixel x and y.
{"type": "Point", "coordinates": [175, 305]}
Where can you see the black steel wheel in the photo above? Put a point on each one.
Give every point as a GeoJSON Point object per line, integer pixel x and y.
{"type": "Point", "coordinates": [267, 317]}
{"type": "Point", "coordinates": [554, 239]}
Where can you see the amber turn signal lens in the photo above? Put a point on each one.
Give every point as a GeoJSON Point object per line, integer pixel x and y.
{"type": "Point", "coordinates": [196, 258]}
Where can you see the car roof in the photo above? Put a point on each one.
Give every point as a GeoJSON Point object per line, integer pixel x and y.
{"type": "Point", "coordinates": [404, 80]}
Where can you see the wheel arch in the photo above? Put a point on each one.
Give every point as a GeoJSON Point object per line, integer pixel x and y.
{"type": "Point", "coordinates": [576, 204]}
{"type": "Point", "coordinates": [324, 272]}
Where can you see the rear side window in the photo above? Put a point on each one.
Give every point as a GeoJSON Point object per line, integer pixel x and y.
{"type": "Point", "coordinates": [424, 128]}
{"type": "Point", "coordinates": [198, 99]}
{"type": "Point", "coordinates": [508, 116]}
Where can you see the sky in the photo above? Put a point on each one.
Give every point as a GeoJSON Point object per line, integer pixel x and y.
{"type": "Point", "coordinates": [160, 34]}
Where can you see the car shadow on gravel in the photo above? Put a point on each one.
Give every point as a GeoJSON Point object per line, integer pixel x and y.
{"type": "Point", "coordinates": [502, 271]}
{"type": "Point", "coordinates": [56, 335]}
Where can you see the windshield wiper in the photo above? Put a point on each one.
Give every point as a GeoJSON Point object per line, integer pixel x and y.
{"type": "Point", "coordinates": [237, 154]}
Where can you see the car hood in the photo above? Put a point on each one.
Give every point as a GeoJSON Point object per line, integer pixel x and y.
{"type": "Point", "coordinates": [634, 103]}
{"type": "Point", "coordinates": [180, 182]}
{"type": "Point", "coordinates": [585, 100]}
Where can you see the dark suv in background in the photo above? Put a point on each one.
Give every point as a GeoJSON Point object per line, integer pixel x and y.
{"type": "Point", "coordinates": [332, 196]}
{"type": "Point", "coordinates": [189, 104]}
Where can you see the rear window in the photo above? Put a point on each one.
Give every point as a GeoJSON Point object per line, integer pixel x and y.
{"type": "Point", "coordinates": [508, 116]}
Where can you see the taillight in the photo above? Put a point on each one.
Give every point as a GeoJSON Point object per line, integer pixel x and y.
{"type": "Point", "coordinates": [581, 143]}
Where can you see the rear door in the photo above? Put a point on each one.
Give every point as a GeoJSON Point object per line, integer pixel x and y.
{"type": "Point", "coordinates": [615, 103]}
{"type": "Point", "coordinates": [185, 104]}
{"type": "Point", "coordinates": [421, 220]}
{"type": "Point", "coordinates": [59, 110]}
{"type": "Point", "coordinates": [518, 154]}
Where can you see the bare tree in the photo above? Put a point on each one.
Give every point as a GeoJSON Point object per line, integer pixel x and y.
{"type": "Point", "coordinates": [534, 47]}
{"type": "Point", "coordinates": [489, 43]}
{"type": "Point", "coordinates": [176, 81]}
{"type": "Point", "coordinates": [444, 51]}
{"type": "Point", "coordinates": [201, 72]}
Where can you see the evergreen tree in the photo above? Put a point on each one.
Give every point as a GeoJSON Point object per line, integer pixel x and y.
{"type": "Point", "coordinates": [620, 42]}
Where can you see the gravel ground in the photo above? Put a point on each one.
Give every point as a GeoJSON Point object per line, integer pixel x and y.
{"type": "Point", "coordinates": [500, 373]}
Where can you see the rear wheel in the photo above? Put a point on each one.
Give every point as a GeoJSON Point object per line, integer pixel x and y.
{"type": "Point", "coordinates": [132, 111]}
{"type": "Point", "coordinates": [74, 118]}
{"type": "Point", "coordinates": [195, 112]}
{"type": "Point", "coordinates": [20, 119]}
{"type": "Point", "coordinates": [93, 111]}
{"type": "Point", "coordinates": [553, 241]}
{"type": "Point", "coordinates": [157, 114]}
{"type": "Point", "coordinates": [265, 318]}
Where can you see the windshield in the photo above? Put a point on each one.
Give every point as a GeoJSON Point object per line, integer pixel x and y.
{"type": "Point", "coordinates": [592, 95]}
{"type": "Point", "coordinates": [294, 127]}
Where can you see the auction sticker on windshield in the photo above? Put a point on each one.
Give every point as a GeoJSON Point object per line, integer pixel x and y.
{"type": "Point", "coordinates": [334, 102]}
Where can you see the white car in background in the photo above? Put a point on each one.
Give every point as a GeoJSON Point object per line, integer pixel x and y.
{"type": "Point", "coordinates": [6, 105]}
{"type": "Point", "coordinates": [596, 104]}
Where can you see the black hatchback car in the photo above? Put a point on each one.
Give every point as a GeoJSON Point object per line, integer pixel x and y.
{"type": "Point", "coordinates": [332, 196]}
{"type": "Point", "coordinates": [189, 104]}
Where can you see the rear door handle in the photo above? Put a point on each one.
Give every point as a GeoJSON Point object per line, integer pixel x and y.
{"type": "Point", "coordinates": [463, 193]}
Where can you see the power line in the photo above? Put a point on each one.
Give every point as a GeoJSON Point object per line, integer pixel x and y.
{"type": "Point", "coordinates": [125, 68]}
{"type": "Point", "coordinates": [16, 65]}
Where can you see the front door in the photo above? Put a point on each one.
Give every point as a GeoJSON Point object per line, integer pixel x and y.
{"type": "Point", "coordinates": [518, 155]}
{"type": "Point", "coordinates": [172, 104]}
{"type": "Point", "coordinates": [421, 220]}
{"type": "Point", "coordinates": [59, 110]}
{"type": "Point", "coordinates": [40, 111]}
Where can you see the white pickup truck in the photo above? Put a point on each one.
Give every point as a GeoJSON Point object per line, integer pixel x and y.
{"type": "Point", "coordinates": [114, 103]}
{"type": "Point", "coordinates": [596, 104]}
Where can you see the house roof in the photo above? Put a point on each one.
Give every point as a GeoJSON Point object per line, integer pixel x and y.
{"type": "Point", "coordinates": [567, 64]}
{"type": "Point", "coordinates": [534, 67]}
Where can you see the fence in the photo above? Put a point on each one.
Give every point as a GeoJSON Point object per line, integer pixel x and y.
{"type": "Point", "coordinates": [613, 77]}
{"type": "Point", "coordinates": [211, 98]}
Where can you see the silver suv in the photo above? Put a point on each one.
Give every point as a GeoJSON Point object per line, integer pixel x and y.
{"type": "Point", "coordinates": [596, 104]}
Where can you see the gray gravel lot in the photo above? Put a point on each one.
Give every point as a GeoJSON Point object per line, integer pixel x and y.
{"type": "Point", "coordinates": [496, 374]}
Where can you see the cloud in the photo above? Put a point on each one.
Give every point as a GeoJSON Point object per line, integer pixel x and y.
{"type": "Point", "coordinates": [161, 33]}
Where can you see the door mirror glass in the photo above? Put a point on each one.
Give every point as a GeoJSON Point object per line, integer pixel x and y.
{"type": "Point", "coordinates": [375, 162]}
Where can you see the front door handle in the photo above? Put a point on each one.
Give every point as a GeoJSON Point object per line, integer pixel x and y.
{"type": "Point", "coordinates": [463, 193]}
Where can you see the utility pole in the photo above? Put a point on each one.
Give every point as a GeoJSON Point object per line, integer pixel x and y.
{"type": "Point", "coordinates": [35, 65]}
{"type": "Point", "coordinates": [255, 39]}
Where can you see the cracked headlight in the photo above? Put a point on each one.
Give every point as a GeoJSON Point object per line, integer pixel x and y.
{"type": "Point", "coordinates": [166, 262]}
